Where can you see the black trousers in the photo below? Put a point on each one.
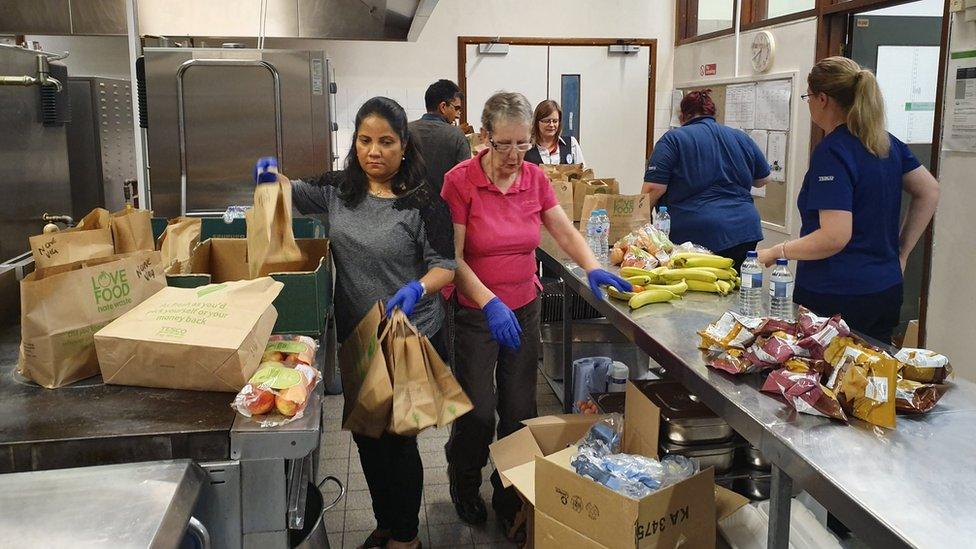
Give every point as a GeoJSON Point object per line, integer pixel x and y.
{"type": "Point", "coordinates": [395, 475]}
{"type": "Point", "coordinates": [874, 315]}
{"type": "Point", "coordinates": [496, 380]}
{"type": "Point", "coordinates": [738, 253]}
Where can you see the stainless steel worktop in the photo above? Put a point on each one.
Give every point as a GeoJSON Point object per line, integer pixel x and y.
{"type": "Point", "coordinates": [911, 486]}
{"type": "Point", "coordinates": [134, 505]}
{"type": "Point", "coordinates": [90, 423]}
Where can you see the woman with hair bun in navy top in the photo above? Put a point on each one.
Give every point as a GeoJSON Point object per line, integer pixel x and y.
{"type": "Point", "coordinates": [703, 172]}
{"type": "Point", "coordinates": [853, 246]}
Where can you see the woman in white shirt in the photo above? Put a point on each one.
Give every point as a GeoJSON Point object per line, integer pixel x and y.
{"type": "Point", "coordinates": [550, 147]}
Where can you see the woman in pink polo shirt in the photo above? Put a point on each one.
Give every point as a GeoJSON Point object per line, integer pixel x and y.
{"type": "Point", "coordinates": [498, 205]}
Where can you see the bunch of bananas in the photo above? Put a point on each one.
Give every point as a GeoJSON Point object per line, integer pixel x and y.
{"type": "Point", "coordinates": [688, 270]}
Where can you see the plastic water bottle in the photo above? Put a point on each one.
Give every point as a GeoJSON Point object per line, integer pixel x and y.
{"type": "Point", "coordinates": [604, 220]}
{"type": "Point", "coordinates": [750, 290]}
{"type": "Point", "coordinates": [235, 212]}
{"type": "Point", "coordinates": [619, 373]}
{"type": "Point", "coordinates": [663, 220]}
{"type": "Point", "coordinates": [597, 235]}
{"type": "Point", "coordinates": [781, 291]}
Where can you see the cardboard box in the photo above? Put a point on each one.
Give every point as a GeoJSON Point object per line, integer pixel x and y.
{"type": "Point", "coordinates": [552, 534]}
{"type": "Point", "coordinates": [911, 335]}
{"type": "Point", "coordinates": [204, 339]}
{"type": "Point", "coordinates": [305, 299]}
{"type": "Point", "coordinates": [536, 460]}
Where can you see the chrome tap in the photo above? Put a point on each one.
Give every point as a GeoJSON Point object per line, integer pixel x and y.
{"type": "Point", "coordinates": [43, 77]}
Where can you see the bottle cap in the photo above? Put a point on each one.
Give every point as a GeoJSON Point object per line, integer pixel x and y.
{"type": "Point", "coordinates": [752, 254]}
{"type": "Point", "coordinates": [782, 261]}
{"type": "Point", "coordinates": [663, 208]}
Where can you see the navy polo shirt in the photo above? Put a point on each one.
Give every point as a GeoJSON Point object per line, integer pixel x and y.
{"type": "Point", "coordinates": [844, 175]}
{"type": "Point", "coordinates": [709, 169]}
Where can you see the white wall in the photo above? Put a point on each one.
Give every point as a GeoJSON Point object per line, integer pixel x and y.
{"type": "Point", "coordinates": [90, 55]}
{"type": "Point", "coordinates": [951, 312]}
{"type": "Point", "coordinates": [403, 70]}
{"type": "Point", "coordinates": [795, 49]}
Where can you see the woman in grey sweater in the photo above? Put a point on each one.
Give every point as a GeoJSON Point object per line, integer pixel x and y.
{"type": "Point", "coordinates": [389, 229]}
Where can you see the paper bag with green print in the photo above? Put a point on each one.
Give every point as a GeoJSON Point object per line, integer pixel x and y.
{"type": "Point", "coordinates": [449, 397]}
{"type": "Point", "coordinates": [63, 306]}
{"type": "Point", "coordinates": [414, 389]}
{"type": "Point", "coordinates": [366, 382]}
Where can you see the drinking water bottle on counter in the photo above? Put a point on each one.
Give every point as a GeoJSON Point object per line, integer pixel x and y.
{"type": "Point", "coordinates": [750, 289]}
{"type": "Point", "coordinates": [781, 291]}
{"type": "Point", "coordinates": [597, 235]}
{"type": "Point", "coordinates": [663, 220]}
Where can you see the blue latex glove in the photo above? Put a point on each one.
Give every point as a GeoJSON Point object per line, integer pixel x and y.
{"type": "Point", "coordinates": [600, 277]}
{"type": "Point", "coordinates": [505, 328]}
{"type": "Point", "coordinates": [405, 298]}
{"type": "Point", "coordinates": [266, 170]}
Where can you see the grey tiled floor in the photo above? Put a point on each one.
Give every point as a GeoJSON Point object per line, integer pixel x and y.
{"type": "Point", "coordinates": [351, 520]}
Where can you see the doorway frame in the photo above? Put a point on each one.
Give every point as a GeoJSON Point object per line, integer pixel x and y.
{"type": "Point", "coordinates": [462, 56]}
{"type": "Point", "coordinates": [833, 30]}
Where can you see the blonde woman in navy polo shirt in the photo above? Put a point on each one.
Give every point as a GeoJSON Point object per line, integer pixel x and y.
{"type": "Point", "coordinates": [853, 247]}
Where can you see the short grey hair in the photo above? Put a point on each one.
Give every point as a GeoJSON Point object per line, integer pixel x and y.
{"type": "Point", "coordinates": [506, 107]}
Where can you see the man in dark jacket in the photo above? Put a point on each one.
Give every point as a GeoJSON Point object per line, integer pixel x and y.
{"type": "Point", "coordinates": [442, 144]}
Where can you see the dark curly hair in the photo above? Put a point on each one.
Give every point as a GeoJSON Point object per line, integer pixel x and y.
{"type": "Point", "coordinates": [413, 171]}
{"type": "Point", "coordinates": [697, 103]}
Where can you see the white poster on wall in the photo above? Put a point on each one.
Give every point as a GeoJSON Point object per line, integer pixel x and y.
{"type": "Point", "coordinates": [740, 106]}
{"type": "Point", "coordinates": [776, 155]}
{"type": "Point", "coordinates": [773, 105]}
{"type": "Point", "coordinates": [908, 76]}
{"type": "Point", "coordinates": [960, 118]}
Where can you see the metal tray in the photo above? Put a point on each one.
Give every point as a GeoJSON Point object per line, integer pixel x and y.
{"type": "Point", "coordinates": [755, 486]}
{"type": "Point", "coordinates": [684, 420]}
{"type": "Point", "coordinates": [719, 456]}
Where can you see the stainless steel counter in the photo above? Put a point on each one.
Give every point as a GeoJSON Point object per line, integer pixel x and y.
{"type": "Point", "coordinates": [907, 487]}
{"type": "Point", "coordinates": [135, 505]}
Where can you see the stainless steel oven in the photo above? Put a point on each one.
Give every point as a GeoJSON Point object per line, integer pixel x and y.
{"type": "Point", "coordinates": [213, 111]}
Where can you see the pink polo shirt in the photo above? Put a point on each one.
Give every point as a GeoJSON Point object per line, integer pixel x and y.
{"type": "Point", "coordinates": [502, 231]}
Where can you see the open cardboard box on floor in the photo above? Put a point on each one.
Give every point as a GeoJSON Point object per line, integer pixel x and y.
{"type": "Point", "coordinates": [571, 509]}
{"type": "Point", "coordinates": [305, 297]}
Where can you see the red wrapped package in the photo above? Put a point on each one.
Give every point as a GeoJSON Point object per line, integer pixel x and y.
{"type": "Point", "coordinates": [773, 325]}
{"type": "Point", "coordinates": [732, 361]}
{"type": "Point", "coordinates": [774, 350]}
{"type": "Point", "coordinates": [819, 332]}
{"type": "Point", "coordinates": [804, 393]}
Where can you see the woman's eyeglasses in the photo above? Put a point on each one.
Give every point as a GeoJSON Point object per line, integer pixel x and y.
{"type": "Point", "coordinates": [806, 97]}
{"type": "Point", "coordinates": [508, 147]}
{"type": "Point", "coordinates": [550, 121]}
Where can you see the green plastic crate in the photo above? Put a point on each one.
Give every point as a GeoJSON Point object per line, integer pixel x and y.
{"type": "Point", "coordinates": [215, 227]}
{"type": "Point", "coordinates": [303, 303]}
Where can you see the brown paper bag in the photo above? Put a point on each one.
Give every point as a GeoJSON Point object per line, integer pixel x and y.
{"type": "Point", "coordinates": [564, 193]}
{"type": "Point", "coordinates": [627, 212]}
{"type": "Point", "coordinates": [413, 388]}
{"type": "Point", "coordinates": [176, 243]}
{"type": "Point", "coordinates": [63, 307]}
{"type": "Point", "coordinates": [586, 187]}
{"type": "Point", "coordinates": [365, 378]}
{"type": "Point", "coordinates": [132, 230]}
{"type": "Point", "coordinates": [89, 239]}
{"type": "Point", "coordinates": [209, 338]}
{"type": "Point", "coordinates": [270, 237]}
{"type": "Point", "coordinates": [449, 397]}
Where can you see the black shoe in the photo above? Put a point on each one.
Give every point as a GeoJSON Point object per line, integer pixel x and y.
{"type": "Point", "coordinates": [469, 507]}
